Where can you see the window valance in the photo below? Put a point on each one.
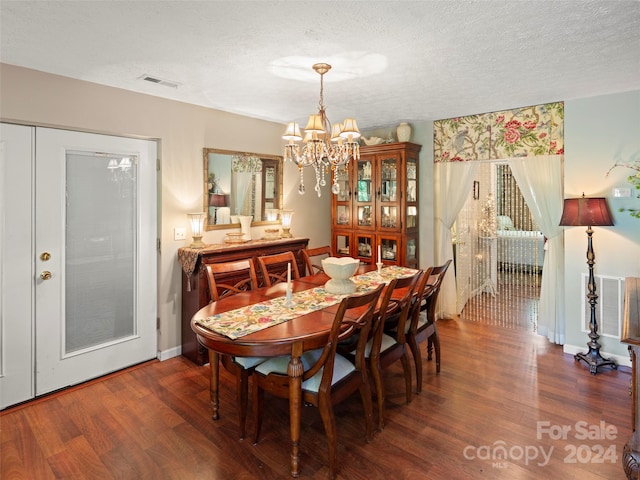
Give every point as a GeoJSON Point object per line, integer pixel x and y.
{"type": "Point", "coordinates": [520, 132]}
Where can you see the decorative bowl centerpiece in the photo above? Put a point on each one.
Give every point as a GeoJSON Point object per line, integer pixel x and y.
{"type": "Point", "coordinates": [234, 237]}
{"type": "Point", "coordinates": [372, 140]}
{"type": "Point", "coordinates": [271, 233]}
{"type": "Point", "coordinates": [340, 269]}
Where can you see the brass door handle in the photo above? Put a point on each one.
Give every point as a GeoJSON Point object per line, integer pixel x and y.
{"type": "Point", "coordinates": [44, 256]}
{"type": "Point", "coordinates": [46, 275]}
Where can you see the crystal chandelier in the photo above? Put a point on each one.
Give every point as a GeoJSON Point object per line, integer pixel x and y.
{"type": "Point", "coordinates": [323, 146]}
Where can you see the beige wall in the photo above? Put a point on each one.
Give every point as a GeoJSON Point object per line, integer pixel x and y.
{"type": "Point", "coordinates": [36, 98]}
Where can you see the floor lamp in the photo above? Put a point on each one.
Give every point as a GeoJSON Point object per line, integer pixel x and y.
{"type": "Point", "coordinates": [589, 212]}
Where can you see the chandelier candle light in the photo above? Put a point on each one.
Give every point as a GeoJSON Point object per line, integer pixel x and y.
{"type": "Point", "coordinates": [323, 146]}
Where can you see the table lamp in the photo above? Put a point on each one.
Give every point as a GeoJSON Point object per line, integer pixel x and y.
{"type": "Point", "coordinates": [286, 216]}
{"type": "Point", "coordinates": [589, 212]}
{"type": "Point", "coordinates": [197, 225]}
{"type": "Point", "coordinates": [217, 200]}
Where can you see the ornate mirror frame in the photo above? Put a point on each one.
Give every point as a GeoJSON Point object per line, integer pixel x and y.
{"type": "Point", "coordinates": [224, 171]}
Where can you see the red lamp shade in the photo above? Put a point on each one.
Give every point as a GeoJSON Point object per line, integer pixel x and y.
{"type": "Point", "coordinates": [588, 212]}
{"type": "Point", "coordinates": [217, 200]}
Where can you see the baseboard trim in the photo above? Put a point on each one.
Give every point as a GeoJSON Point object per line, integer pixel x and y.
{"type": "Point", "coordinates": [167, 354]}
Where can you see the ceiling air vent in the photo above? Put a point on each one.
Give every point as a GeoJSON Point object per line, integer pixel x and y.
{"type": "Point", "coordinates": [159, 81]}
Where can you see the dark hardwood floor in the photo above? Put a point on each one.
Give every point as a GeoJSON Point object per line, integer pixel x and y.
{"type": "Point", "coordinates": [500, 390]}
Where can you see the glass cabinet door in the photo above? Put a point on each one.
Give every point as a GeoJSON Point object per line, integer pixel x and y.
{"type": "Point", "coordinates": [343, 215]}
{"type": "Point", "coordinates": [411, 188]}
{"type": "Point", "coordinates": [342, 177]}
{"type": "Point", "coordinates": [342, 242]}
{"type": "Point", "coordinates": [411, 258]}
{"type": "Point", "coordinates": [365, 174]}
{"type": "Point", "coordinates": [389, 249]}
{"type": "Point", "coordinates": [341, 201]}
{"type": "Point", "coordinates": [412, 216]}
{"type": "Point", "coordinates": [366, 247]}
{"type": "Point", "coordinates": [388, 179]}
{"type": "Point", "coordinates": [388, 193]}
{"type": "Point", "coordinates": [412, 181]}
{"type": "Point", "coordinates": [365, 192]}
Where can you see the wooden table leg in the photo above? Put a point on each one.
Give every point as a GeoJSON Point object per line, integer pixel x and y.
{"type": "Point", "coordinates": [213, 383]}
{"type": "Point", "coordinates": [295, 370]}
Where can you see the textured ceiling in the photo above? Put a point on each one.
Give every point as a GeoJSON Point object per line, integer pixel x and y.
{"type": "Point", "coordinates": [404, 60]}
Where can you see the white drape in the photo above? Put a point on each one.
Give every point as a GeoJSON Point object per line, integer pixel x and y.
{"type": "Point", "coordinates": [454, 181]}
{"type": "Point", "coordinates": [540, 181]}
{"type": "Point", "coordinates": [241, 186]}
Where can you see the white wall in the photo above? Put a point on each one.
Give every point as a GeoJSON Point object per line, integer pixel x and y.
{"type": "Point", "coordinates": [36, 98]}
{"type": "Point", "coordinates": [598, 132]}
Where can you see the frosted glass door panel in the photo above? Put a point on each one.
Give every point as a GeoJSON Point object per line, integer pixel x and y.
{"type": "Point", "coordinates": [100, 249]}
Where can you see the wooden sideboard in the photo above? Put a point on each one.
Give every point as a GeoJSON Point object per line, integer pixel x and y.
{"type": "Point", "coordinates": [631, 336]}
{"type": "Point", "coordinates": [195, 289]}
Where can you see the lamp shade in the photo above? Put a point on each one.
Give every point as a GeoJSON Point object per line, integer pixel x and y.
{"type": "Point", "coordinates": [217, 200]}
{"type": "Point", "coordinates": [350, 128]}
{"type": "Point", "coordinates": [586, 212]}
{"type": "Point", "coordinates": [315, 124]}
{"type": "Point", "coordinates": [292, 132]}
{"type": "Point", "coordinates": [197, 223]}
{"type": "Point", "coordinates": [286, 215]}
{"type": "Point", "coordinates": [336, 130]}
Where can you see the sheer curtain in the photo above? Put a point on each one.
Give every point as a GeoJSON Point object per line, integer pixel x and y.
{"type": "Point", "coordinates": [540, 180]}
{"type": "Point", "coordinates": [241, 186]}
{"type": "Point", "coordinates": [454, 181]}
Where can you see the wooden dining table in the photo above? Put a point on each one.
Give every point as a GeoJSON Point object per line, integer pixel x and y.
{"type": "Point", "coordinates": [293, 337]}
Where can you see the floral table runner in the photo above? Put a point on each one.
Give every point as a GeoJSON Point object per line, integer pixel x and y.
{"type": "Point", "coordinates": [252, 318]}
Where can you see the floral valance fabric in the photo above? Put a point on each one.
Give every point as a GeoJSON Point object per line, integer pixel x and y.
{"type": "Point", "coordinates": [246, 164]}
{"type": "Point", "coordinates": [521, 132]}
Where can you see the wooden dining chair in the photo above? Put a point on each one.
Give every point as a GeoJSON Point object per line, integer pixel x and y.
{"type": "Point", "coordinates": [422, 324]}
{"type": "Point", "coordinates": [274, 268]}
{"type": "Point", "coordinates": [328, 378]}
{"type": "Point", "coordinates": [225, 279]}
{"type": "Point", "coordinates": [313, 258]}
{"type": "Point", "coordinates": [386, 347]}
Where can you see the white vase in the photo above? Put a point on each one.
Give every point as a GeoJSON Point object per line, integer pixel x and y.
{"type": "Point", "coordinates": [404, 132]}
{"type": "Point", "coordinates": [245, 226]}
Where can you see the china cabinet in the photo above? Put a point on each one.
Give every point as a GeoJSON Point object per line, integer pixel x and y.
{"type": "Point", "coordinates": [375, 213]}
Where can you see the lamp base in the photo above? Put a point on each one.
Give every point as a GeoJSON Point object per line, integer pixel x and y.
{"type": "Point", "coordinates": [197, 243]}
{"type": "Point", "coordinates": [595, 360]}
{"type": "Point", "coordinates": [285, 233]}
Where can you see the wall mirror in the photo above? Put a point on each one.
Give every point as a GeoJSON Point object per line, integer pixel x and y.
{"type": "Point", "coordinates": [241, 183]}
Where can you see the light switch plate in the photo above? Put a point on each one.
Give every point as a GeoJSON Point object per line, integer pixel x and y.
{"type": "Point", "coordinates": [622, 192]}
{"type": "Point", "coordinates": [179, 233]}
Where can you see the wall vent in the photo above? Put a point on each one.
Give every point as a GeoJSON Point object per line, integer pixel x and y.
{"type": "Point", "coordinates": [159, 81]}
{"type": "Point", "coordinates": [610, 306]}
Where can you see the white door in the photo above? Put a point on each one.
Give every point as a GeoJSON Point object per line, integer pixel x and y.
{"type": "Point", "coordinates": [92, 257]}
{"type": "Point", "coordinates": [17, 265]}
